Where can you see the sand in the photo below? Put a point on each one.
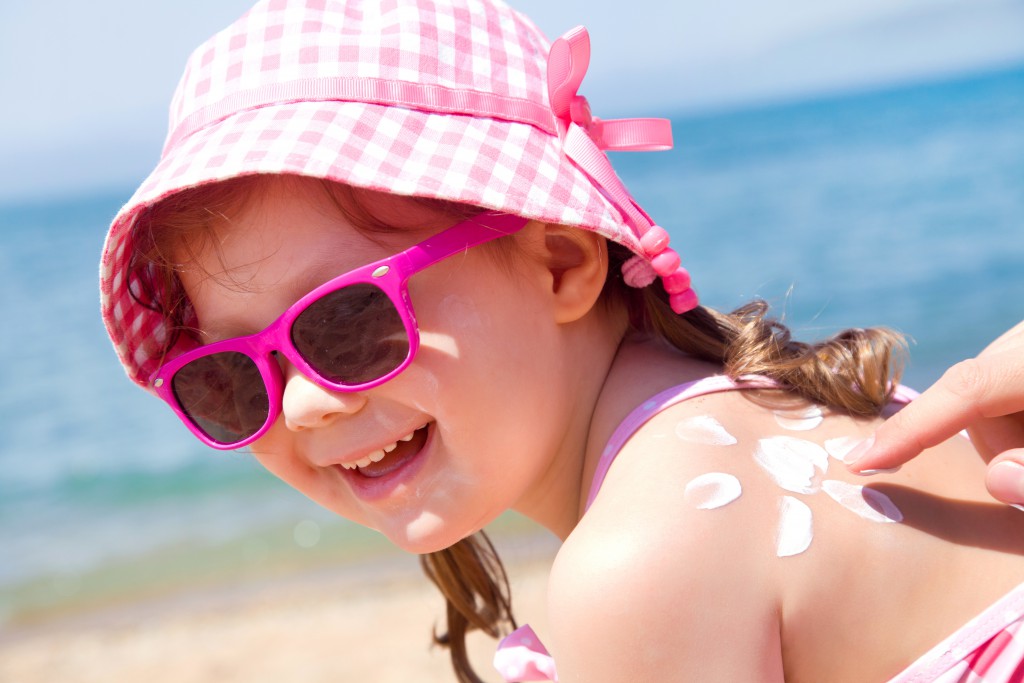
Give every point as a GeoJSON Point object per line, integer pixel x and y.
{"type": "Point", "coordinates": [367, 622]}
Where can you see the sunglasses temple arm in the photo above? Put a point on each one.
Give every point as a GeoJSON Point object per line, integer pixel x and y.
{"type": "Point", "coordinates": [469, 233]}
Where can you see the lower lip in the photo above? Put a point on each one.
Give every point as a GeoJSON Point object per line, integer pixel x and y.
{"type": "Point", "coordinates": [378, 488]}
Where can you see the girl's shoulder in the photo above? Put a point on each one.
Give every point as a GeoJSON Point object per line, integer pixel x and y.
{"type": "Point", "coordinates": [669, 557]}
{"type": "Point", "coordinates": [728, 531]}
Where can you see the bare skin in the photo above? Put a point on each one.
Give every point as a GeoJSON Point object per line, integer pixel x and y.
{"type": "Point", "coordinates": [522, 375]}
{"type": "Point", "coordinates": [648, 588]}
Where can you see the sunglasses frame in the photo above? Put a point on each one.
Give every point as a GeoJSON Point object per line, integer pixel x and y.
{"type": "Point", "coordinates": [390, 275]}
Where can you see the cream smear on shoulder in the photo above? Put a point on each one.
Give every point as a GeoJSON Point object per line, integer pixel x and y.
{"type": "Point", "coordinates": [865, 501]}
{"type": "Point", "coordinates": [795, 527]}
{"type": "Point", "coordinates": [840, 447]}
{"type": "Point", "coordinates": [800, 420]}
{"type": "Point", "coordinates": [704, 429]}
{"type": "Point", "coordinates": [796, 465]}
{"type": "Point", "coordinates": [712, 490]}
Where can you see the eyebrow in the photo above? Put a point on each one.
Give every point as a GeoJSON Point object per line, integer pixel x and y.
{"type": "Point", "coordinates": [319, 271]}
{"type": "Point", "coordinates": [223, 329]}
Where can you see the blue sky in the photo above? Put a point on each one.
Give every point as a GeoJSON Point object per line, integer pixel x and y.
{"type": "Point", "coordinates": [87, 83]}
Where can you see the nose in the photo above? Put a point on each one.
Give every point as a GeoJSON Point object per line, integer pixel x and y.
{"type": "Point", "coordinates": [307, 405]}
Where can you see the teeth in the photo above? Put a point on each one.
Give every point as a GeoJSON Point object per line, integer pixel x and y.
{"type": "Point", "coordinates": [379, 454]}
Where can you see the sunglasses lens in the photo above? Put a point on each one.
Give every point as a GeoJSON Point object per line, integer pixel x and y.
{"type": "Point", "coordinates": [224, 395]}
{"type": "Point", "coordinates": [352, 335]}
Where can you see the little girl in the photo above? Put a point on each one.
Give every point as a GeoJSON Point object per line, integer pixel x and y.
{"type": "Point", "coordinates": [385, 252]}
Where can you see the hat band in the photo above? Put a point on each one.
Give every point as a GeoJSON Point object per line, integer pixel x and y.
{"type": "Point", "coordinates": [426, 97]}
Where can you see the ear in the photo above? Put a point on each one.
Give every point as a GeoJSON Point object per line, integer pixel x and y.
{"type": "Point", "coordinates": [578, 263]}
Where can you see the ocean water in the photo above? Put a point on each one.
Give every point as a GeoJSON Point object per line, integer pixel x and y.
{"type": "Point", "coordinates": [902, 208]}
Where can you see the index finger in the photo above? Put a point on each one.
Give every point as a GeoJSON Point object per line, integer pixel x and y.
{"type": "Point", "coordinates": [967, 393]}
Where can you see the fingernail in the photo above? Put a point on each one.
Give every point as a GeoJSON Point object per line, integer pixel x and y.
{"type": "Point", "coordinates": [858, 451]}
{"type": "Point", "coordinates": [1005, 481]}
{"type": "Point", "coordinates": [869, 473]}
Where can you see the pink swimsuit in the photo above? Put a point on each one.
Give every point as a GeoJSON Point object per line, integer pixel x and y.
{"type": "Point", "coordinates": [989, 648]}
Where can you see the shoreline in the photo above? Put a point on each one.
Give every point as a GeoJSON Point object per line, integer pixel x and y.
{"type": "Point", "coordinates": [370, 619]}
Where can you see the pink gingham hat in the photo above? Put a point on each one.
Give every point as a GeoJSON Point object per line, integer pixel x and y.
{"type": "Point", "coordinates": [461, 100]}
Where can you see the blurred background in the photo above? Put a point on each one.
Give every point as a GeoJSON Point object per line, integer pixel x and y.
{"type": "Point", "coordinates": [855, 163]}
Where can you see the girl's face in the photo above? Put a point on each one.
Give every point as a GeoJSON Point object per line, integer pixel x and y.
{"type": "Point", "coordinates": [469, 430]}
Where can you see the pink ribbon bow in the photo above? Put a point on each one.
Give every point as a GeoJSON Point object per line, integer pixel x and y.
{"type": "Point", "coordinates": [568, 61]}
{"type": "Point", "coordinates": [585, 138]}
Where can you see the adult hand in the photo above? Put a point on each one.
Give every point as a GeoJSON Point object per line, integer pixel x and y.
{"type": "Point", "coordinates": [985, 396]}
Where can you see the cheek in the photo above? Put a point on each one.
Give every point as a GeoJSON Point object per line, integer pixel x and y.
{"type": "Point", "coordinates": [269, 452]}
{"type": "Point", "coordinates": [450, 335]}
{"type": "Point", "coordinates": [274, 453]}
{"type": "Point", "coordinates": [461, 313]}
{"type": "Point", "coordinates": [494, 330]}
{"type": "Point", "coordinates": [451, 327]}
{"type": "Point", "coordinates": [490, 354]}
{"type": "Point", "coordinates": [490, 351]}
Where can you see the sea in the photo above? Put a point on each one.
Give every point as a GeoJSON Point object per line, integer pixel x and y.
{"type": "Point", "coordinates": [901, 207]}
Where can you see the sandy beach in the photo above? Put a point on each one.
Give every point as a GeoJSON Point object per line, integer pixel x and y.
{"type": "Point", "coordinates": [367, 622]}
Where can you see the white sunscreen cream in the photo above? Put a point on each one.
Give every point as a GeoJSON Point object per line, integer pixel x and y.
{"type": "Point", "coordinates": [794, 464]}
{"type": "Point", "coordinates": [863, 500]}
{"type": "Point", "coordinates": [795, 527]}
{"type": "Point", "coordinates": [712, 490]}
{"type": "Point", "coordinates": [704, 429]}
{"type": "Point", "coordinates": [800, 420]}
{"type": "Point", "coordinates": [840, 447]}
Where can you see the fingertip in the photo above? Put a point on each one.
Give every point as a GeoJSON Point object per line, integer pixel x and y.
{"type": "Point", "coordinates": [878, 454]}
{"type": "Point", "coordinates": [856, 458]}
{"type": "Point", "coordinates": [1005, 481]}
{"type": "Point", "coordinates": [928, 420]}
{"type": "Point", "coordinates": [874, 471]}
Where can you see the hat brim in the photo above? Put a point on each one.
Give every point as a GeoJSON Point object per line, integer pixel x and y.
{"type": "Point", "coordinates": [496, 164]}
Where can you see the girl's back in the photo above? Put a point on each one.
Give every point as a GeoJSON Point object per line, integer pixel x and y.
{"type": "Point", "coordinates": [736, 506]}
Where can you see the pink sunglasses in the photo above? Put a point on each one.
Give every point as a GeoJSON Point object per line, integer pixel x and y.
{"type": "Point", "coordinates": [352, 333]}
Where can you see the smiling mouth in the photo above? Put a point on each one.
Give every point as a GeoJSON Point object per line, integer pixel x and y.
{"type": "Point", "coordinates": [385, 460]}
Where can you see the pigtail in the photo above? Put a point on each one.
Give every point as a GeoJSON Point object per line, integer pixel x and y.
{"type": "Point", "coordinates": [855, 371]}
{"type": "Point", "coordinates": [473, 581]}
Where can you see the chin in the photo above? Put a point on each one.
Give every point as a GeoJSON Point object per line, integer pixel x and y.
{"type": "Point", "coordinates": [426, 534]}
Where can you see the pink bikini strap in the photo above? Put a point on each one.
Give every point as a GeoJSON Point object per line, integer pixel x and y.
{"type": "Point", "coordinates": [651, 407]}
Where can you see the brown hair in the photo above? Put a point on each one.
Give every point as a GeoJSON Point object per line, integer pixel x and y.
{"type": "Point", "coordinates": [854, 371]}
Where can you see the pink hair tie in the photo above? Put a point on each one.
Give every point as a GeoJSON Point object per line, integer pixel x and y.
{"type": "Point", "coordinates": [662, 261]}
{"type": "Point", "coordinates": [638, 272]}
